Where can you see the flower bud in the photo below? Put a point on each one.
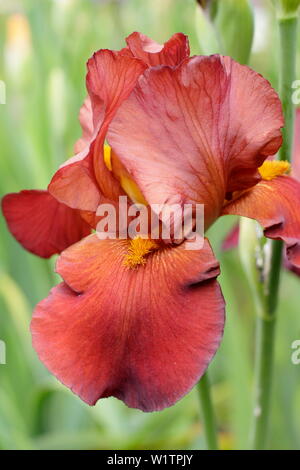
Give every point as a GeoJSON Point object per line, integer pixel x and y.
{"type": "Point", "coordinates": [235, 25]}
{"type": "Point", "coordinates": [252, 252]}
{"type": "Point", "coordinates": [231, 27]}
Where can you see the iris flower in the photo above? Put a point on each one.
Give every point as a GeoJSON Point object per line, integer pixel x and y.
{"type": "Point", "coordinates": [138, 319]}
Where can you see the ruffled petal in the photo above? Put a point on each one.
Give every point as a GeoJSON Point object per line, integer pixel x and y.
{"type": "Point", "coordinates": [143, 335]}
{"type": "Point", "coordinates": [275, 205]}
{"type": "Point", "coordinates": [87, 125]}
{"type": "Point", "coordinates": [84, 180]}
{"type": "Point", "coordinates": [174, 51]}
{"type": "Point", "coordinates": [212, 120]}
{"type": "Point", "coordinates": [41, 224]}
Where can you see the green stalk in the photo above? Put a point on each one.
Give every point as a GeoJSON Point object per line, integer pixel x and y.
{"type": "Point", "coordinates": [265, 338]}
{"type": "Point", "coordinates": [266, 322]}
{"type": "Point", "coordinates": [209, 423]}
{"type": "Point", "coordinates": [288, 51]}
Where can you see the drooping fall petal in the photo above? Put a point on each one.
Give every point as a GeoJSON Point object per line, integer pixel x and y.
{"type": "Point", "coordinates": [174, 51]}
{"type": "Point", "coordinates": [232, 240]}
{"type": "Point", "coordinates": [143, 335]}
{"type": "Point", "coordinates": [201, 120]}
{"type": "Point", "coordinates": [275, 205]}
{"type": "Point", "coordinates": [83, 180]}
{"type": "Point", "coordinates": [290, 266]}
{"type": "Point", "coordinates": [41, 224]}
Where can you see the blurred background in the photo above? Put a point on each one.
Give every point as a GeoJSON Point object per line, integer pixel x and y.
{"type": "Point", "coordinates": [44, 45]}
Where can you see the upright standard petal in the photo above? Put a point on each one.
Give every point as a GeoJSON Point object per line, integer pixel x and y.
{"type": "Point", "coordinates": [82, 181]}
{"type": "Point", "coordinates": [275, 205]}
{"type": "Point", "coordinates": [41, 224]}
{"type": "Point", "coordinates": [210, 119]}
{"type": "Point", "coordinates": [143, 335]}
{"type": "Point", "coordinates": [174, 51]}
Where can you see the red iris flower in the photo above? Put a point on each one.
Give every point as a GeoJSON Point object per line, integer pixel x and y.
{"type": "Point", "coordinates": [136, 319]}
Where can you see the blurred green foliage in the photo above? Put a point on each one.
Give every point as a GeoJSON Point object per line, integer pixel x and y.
{"type": "Point", "coordinates": [286, 8]}
{"type": "Point", "coordinates": [221, 32]}
{"type": "Point", "coordinates": [43, 54]}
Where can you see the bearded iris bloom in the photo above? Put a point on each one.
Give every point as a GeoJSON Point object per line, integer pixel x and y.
{"type": "Point", "coordinates": [138, 319]}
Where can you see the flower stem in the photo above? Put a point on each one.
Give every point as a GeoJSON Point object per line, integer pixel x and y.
{"type": "Point", "coordinates": [288, 51]}
{"type": "Point", "coordinates": [265, 338]}
{"type": "Point", "coordinates": [208, 413]}
{"type": "Point", "coordinates": [266, 322]}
